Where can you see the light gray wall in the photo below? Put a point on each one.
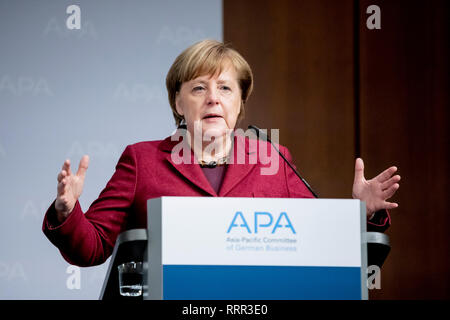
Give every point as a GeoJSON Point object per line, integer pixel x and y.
{"type": "Point", "coordinates": [65, 93]}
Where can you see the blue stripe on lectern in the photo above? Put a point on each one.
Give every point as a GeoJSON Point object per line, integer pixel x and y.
{"type": "Point", "coordinates": [207, 282]}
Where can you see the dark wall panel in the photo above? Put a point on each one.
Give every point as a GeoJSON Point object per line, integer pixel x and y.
{"type": "Point", "coordinates": [404, 121]}
{"type": "Point", "coordinates": [301, 53]}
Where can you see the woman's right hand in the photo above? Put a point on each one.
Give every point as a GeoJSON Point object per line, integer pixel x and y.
{"type": "Point", "coordinates": [70, 187]}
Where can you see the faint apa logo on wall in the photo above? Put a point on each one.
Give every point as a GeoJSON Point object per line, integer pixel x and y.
{"type": "Point", "coordinates": [138, 92]}
{"type": "Point", "coordinates": [12, 271]}
{"type": "Point", "coordinates": [93, 148]}
{"type": "Point", "coordinates": [90, 276]}
{"type": "Point", "coordinates": [56, 27]}
{"type": "Point", "coordinates": [25, 85]}
{"type": "Point", "coordinates": [70, 26]}
{"type": "Point", "coordinates": [32, 210]}
{"type": "Point", "coordinates": [179, 35]}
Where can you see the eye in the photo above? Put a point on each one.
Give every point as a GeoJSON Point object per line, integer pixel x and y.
{"type": "Point", "coordinates": [198, 88]}
{"type": "Point", "coordinates": [226, 88]}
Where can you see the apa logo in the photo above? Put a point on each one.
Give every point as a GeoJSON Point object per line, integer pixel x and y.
{"type": "Point", "coordinates": [261, 220]}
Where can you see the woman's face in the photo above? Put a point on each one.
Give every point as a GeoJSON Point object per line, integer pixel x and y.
{"type": "Point", "coordinates": [212, 101]}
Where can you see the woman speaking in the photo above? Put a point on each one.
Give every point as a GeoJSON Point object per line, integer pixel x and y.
{"type": "Point", "coordinates": [208, 86]}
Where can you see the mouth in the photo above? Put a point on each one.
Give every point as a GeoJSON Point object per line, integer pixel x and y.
{"type": "Point", "coordinates": [212, 116]}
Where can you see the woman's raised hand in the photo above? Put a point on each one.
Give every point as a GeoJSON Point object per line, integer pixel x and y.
{"type": "Point", "coordinates": [376, 191]}
{"type": "Point", "coordinates": [70, 187]}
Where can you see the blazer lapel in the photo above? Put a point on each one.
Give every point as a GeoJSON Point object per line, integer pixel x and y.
{"type": "Point", "coordinates": [244, 157]}
{"type": "Point", "coordinates": [190, 170]}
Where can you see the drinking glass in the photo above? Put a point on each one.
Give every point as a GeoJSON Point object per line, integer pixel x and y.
{"type": "Point", "coordinates": [130, 279]}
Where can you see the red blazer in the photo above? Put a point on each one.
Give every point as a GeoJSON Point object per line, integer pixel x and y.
{"type": "Point", "coordinates": [146, 170]}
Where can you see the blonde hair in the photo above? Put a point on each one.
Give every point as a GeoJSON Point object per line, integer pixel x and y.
{"type": "Point", "coordinates": [207, 57]}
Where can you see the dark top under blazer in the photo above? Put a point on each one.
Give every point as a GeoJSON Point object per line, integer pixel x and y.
{"type": "Point", "coordinates": [146, 170]}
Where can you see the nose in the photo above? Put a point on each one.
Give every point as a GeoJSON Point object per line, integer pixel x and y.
{"type": "Point", "coordinates": [213, 97]}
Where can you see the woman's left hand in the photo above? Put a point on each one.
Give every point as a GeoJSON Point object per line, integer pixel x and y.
{"type": "Point", "coordinates": [375, 191]}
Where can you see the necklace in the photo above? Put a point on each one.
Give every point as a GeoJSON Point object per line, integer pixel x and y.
{"type": "Point", "coordinates": [213, 164]}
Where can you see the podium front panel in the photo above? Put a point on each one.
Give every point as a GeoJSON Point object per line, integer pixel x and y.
{"type": "Point", "coordinates": [256, 249]}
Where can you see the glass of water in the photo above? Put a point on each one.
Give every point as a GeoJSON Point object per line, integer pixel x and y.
{"type": "Point", "coordinates": [130, 279]}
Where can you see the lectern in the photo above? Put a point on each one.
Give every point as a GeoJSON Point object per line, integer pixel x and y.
{"type": "Point", "coordinates": [250, 248]}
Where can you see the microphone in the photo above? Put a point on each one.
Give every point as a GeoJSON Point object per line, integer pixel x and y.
{"type": "Point", "coordinates": [265, 137]}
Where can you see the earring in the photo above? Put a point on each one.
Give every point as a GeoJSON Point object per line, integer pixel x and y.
{"type": "Point", "coordinates": [182, 124]}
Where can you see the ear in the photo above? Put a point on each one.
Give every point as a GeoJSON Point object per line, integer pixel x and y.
{"type": "Point", "coordinates": [178, 105]}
